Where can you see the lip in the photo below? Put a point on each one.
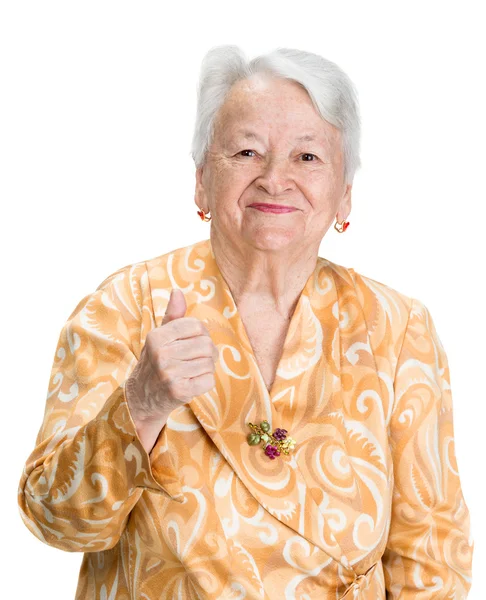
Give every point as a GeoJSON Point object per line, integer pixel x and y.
{"type": "Point", "coordinates": [275, 208]}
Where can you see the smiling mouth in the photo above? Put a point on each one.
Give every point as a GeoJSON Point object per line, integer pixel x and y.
{"type": "Point", "coordinates": [274, 208]}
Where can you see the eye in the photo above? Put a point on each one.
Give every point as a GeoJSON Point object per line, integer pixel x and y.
{"type": "Point", "coordinates": [309, 154]}
{"type": "Point", "coordinates": [244, 151]}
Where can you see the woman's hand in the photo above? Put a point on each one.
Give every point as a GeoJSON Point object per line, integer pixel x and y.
{"type": "Point", "coordinates": [177, 363]}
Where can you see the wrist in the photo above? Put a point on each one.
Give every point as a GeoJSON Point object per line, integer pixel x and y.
{"type": "Point", "coordinates": [141, 417]}
{"type": "Point", "coordinates": [148, 432]}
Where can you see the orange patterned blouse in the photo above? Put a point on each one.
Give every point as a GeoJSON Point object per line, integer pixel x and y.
{"type": "Point", "coordinates": [367, 505]}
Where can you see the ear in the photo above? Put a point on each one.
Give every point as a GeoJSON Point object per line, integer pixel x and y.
{"type": "Point", "coordinates": [345, 204]}
{"type": "Point", "coordinates": [199, 192]}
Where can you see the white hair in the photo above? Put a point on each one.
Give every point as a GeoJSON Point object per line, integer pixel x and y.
{"type": "Point", "coordinates": [331, 90]}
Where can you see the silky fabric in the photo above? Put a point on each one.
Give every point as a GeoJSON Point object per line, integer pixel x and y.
{"type": "Point", "coordinates": [368, 505]}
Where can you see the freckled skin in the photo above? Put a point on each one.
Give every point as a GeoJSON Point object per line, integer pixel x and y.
{"type": "Point", "coordinates": [268, 255]}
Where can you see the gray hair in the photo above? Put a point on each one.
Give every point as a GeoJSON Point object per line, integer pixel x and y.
{"type": "Point", "coordinates": [331, 90]}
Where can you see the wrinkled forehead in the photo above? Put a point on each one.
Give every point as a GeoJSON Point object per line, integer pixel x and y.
{"type": "Point", "coordinates": [255, 107]}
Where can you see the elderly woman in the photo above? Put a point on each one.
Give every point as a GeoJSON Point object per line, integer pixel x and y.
{"type": "Point", "coordinates": [242, 418]}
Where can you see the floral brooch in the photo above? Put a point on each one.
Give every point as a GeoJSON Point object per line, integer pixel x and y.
{"type": "Point", "coordinates": [274, 443]}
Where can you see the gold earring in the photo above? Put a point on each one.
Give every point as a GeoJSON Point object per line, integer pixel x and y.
{"type": "Point", "coordinates": [203, 216]}
{"type": "Point", "coordinates": [344, 225]}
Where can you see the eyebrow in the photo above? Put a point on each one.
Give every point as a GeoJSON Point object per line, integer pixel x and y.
{"type": "Point", "coordinates": [248, 135]}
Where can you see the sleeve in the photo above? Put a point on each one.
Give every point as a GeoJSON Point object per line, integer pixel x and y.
{"type": "Point", "coordinates": [430, 546]}
{"type": "Point", "coordinates": [89, 468]}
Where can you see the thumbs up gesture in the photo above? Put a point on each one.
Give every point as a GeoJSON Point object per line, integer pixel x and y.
{"type": "Point", "coordinates": [177, 363]}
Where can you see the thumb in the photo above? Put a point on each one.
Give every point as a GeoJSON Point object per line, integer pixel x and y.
{"type": "Point", "coordinates": [176, 307]}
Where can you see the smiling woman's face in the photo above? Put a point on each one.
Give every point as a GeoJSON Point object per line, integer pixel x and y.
{"type": "Point", "coordinates": [256, 156]}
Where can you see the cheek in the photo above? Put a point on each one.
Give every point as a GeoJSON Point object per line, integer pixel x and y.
{"type": "Point", "coordinates": [228, 189]}
{"type": "Point", "coordinates": [227, 205]}
{"type": "Point", "coordinates": [324, 188]}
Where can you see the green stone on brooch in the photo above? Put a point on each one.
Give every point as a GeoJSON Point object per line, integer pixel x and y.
{"type": "Point", "coordinates": [253, 439]}
{"type": "Point", "coordinates": [265, 426]}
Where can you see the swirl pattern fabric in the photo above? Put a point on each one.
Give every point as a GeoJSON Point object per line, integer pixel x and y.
{"type": "Point", "coordinates": [368, 506]}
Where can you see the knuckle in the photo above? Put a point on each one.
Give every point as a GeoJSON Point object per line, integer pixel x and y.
{"type": "Point", "coordinates": [211, 381]}
{"type": "Point", "coordinates": [202, 384]}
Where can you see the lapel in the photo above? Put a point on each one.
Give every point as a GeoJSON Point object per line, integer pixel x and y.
{"type": "Point", "coordinates": [326, 368]}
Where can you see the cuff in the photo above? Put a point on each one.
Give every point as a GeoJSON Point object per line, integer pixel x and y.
{"type": "Point", "coordinates": [157, 472]}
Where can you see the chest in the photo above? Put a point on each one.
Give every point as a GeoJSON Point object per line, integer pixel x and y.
{"type": "Point", "coordinates": [267, 336]}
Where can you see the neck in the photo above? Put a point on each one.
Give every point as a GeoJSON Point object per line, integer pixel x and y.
{"type": "Point", "coordinates": [264, 280]}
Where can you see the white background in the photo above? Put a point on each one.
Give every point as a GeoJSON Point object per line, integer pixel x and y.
{"type": "Point", "coordinates": [97, 110]}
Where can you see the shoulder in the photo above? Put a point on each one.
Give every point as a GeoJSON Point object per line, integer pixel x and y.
{"type": "Point", "coordinates": [128, 275]}
{"type": "Point", "coordinates": [182, 257]}
{"type": "Point", "coordinates": [388, 296]}
{"type": "Point", "coordinates": [127, 289]}
{"type": "Point", "coordinates": [385, 310]}
{"type": "Point", "coordinates": [370, 291]}
{"type": "Point", "coordinates": [136, 285]}
{"type": "Point", "coordinates": [137, 274]}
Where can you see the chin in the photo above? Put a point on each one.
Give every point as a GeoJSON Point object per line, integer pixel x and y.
{"type": "Point", "coordinates": [270, 238]}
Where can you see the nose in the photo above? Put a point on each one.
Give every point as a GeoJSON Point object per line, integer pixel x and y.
{"type": "Point", "coordinates": [276, 177]}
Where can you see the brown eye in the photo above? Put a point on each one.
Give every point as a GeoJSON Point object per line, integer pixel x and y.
{"type": "Point", "coordinates": [245, 151]}
{"type": "Point", "coordinates": [309, 154]}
